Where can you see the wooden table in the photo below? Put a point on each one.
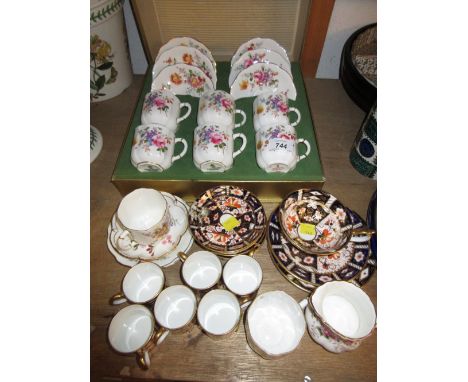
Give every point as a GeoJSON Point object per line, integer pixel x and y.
{"type": "Point", "coordinates": [193, 356]}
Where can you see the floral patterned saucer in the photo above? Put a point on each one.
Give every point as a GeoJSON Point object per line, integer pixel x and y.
{"type": "Point", "coordinates": [315, 221]}
{"type": "Point", "coordinates": [346, 264]}
{"type": "Point", "coordinates": [185, 55]}
{"type": "Point", "coordinates": [131, 249]}
{"type": "Point", "coordinates": [255, 56]}
{"type": "Point", "coordinates": [260, 78]}
{"type": "Point", "coordinates": [182, 79]}
{"type": "Point", "coordinates": [228, 221]}
{"type": "Point", "coordinates": [187, 42]}
{"type": "Point", "coordinates": [166, 260]}
{"type": "Point", "coordinates": [258, 43]}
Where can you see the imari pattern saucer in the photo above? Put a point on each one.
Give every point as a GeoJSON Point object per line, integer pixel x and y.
{"type": "Point", "coordinates": [315, 221]}
{"type": "Point", "coordinates": [312, 270]}
{"type": "Point", "coordinates": [227, 220]}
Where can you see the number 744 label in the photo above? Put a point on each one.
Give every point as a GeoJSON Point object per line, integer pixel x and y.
{"type": "Point", "coordinates": [276, 144]}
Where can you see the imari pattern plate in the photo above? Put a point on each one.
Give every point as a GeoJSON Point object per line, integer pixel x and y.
{"type": "Point", "coordinates": [346, 264]}
{"type": "Point", "coordinates": [227, 220]}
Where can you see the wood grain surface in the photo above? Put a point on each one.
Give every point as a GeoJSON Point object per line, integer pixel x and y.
{"type": "Point", "coordinates": [193, 356]}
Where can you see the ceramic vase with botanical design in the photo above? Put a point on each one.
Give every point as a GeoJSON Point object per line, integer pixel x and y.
{"type": "Point", "coordinates": [273, 108]}
{"type": "Point", "coordinates": [153, 148]}
{"type": "Point", "coordinates": [213, 147]}
{"type": "Point", "coordinates": [218, 107]}
{"type": "Point", "coordinates": [277, 148]}
{"type": "Point", "coordinates": [339, 316]}
{"type": "Point", "coordinates": [163, 107]}
{"type": "Point", "coordinates": [110, 68]}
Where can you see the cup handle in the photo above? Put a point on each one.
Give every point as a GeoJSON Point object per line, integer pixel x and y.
{"type": "Point", "coordinates": [143, 359]}
{"type": "Point", "coordinates": [184, 150]}
{"type": "Point", "coordinates": [120, 235]}
{"type": "Point", "coordinates": [117, 299]}
{"type": "Point", "coordinates": [298, 113]}
{"type": "Point", "coordinates": [189, 110]}
{"type": "Point", "coordinates": [365, 232]}
{"type": "Point", "coordinates": [244, 143]}
{"type": "Point", "coordinates": [244, 118]}
{"type": "Point", "coordinates": [306, 143]}
{"type": "Point", "coordinates": [303, 303]}
{"type": "Point", "coordinates": [182, 256]}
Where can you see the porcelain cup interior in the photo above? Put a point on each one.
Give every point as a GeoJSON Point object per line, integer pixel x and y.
{"type": "Point", "coordinates": [218, 312]}
{"type": "Point", "coordinates": [276, 323]}
{"type": "Point", "coordinates": [143, 282]}
{"type": "Point", "coordinates": [175, 307]}
{"type": "Point", "coordinates": [162, 106]}
{"type": "Point", "coordinates": [345, 308]}
{"type": "Point", "coordinates": [131, 328]}
{"type": "Point", "coordinates": [242, 275]}
{"type": "Point", "coordinates": [202, 270]}
{"type": "Point", "coordinates": [145, 213]}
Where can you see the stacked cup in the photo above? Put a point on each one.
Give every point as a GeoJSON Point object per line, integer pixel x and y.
{"type": "Point", "coordinates": [213, 143]}
{"type": "Point", "coordinates": [276, 139]}
{"type": "Point", "coordinates": [154, 140]}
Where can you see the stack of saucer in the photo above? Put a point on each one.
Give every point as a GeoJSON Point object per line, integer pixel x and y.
{"type": "Point", "coordinates": [259, 65]}
{"type": "Point", "coordinates": [314, 239]}
{"type": "Point", "coordinates": [228, 221]}
{"type": "Point", "coordinates": [149, 226]}
{"type": "Point", "coordinates": [185, 67]}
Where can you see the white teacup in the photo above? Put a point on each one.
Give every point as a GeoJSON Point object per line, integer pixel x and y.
{"type": "Point", "coordinates": [153, 148]}
{"type": "Point", "coordinates": [219, 108]}
{"type": "Point", "coordinates": [242, 275]}
{"type": "Point", "coordinates": [219, 313]}
{"type": "Point", "coordinates": [213, 147]}
{"type": "Point", "coordinates": [163, 107]}
{"type": "Point", "coordinates": [132, 330]}
{"type": "Point", "coordinates": [141, 284]}
{"type": "Point", "coordinates": [339, 316]}
{"type": "Point", "coordinates": [272, 108]}
{"type": "Point", "coordinates": [277, 148]}
{"type": "Point", "coordinates": [201, 270]}
{"type": "Point", "coordinates": [175, 308]}
{"type": "Point", "coordinates": [274, 325]}
{"type": "Point", "coordinates": [145, 216]}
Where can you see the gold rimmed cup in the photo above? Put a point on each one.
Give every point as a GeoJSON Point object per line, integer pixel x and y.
{"type": "Point", "coordinates": [201, 271]}
{"type": "Point", "coordinates": [243, 275]}
{"type": "Point", "coordinates": [133, 330]}
{"type": "Point", "coordinates": [219, 314]}
{"type": "Point", "coordinates": [141, 285]}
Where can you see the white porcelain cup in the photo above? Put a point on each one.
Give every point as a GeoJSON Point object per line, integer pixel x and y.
{"type": "Point", "coordinates": [132, 330]}
{"type": "Point", "coordinates": [272, 108]}
{"type": "Point", "coordinates": [277, 148]}
{"type": "Point", "coordinates": [219, 108]}
{"type": "Point", "coordinates": [175, 308]}
{"type": "Point", "coordinates": [242, 275]}
{"type": "Point", "coordinates": [163, 107]}
{"type": "Point", "coordinates": [201, 270]}
{"type": "Point", "coordinates": [145, 216]}
{"type": "Point", "coordinates": [153, 148]}
{"type": "Point", "coordinates": [213, 147]}
{"type": "Point", "coordinates": [339, 316]}
{"type": "Point", "coordinates": [219, 313]}
{"type": "Point", "coordinates": [274, 325]}
{"type": "Point", "coordinates": [141, 284]}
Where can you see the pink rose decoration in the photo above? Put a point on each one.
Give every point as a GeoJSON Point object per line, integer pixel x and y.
{"type": "Point", "coordinates": [159, 141]}
{"type": "Point", "coordinates": [283, 107]}
{"type": "Point", "coordinates": [260, 77]}
{"type": "Point", "coordinates": [216, 138]}
{"type": "Point", "coordinates": [247, 63]}
{"type": "Point", "coordinates": [159, 102]}
{"type": "Point", "coordinates": [227, 104]}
